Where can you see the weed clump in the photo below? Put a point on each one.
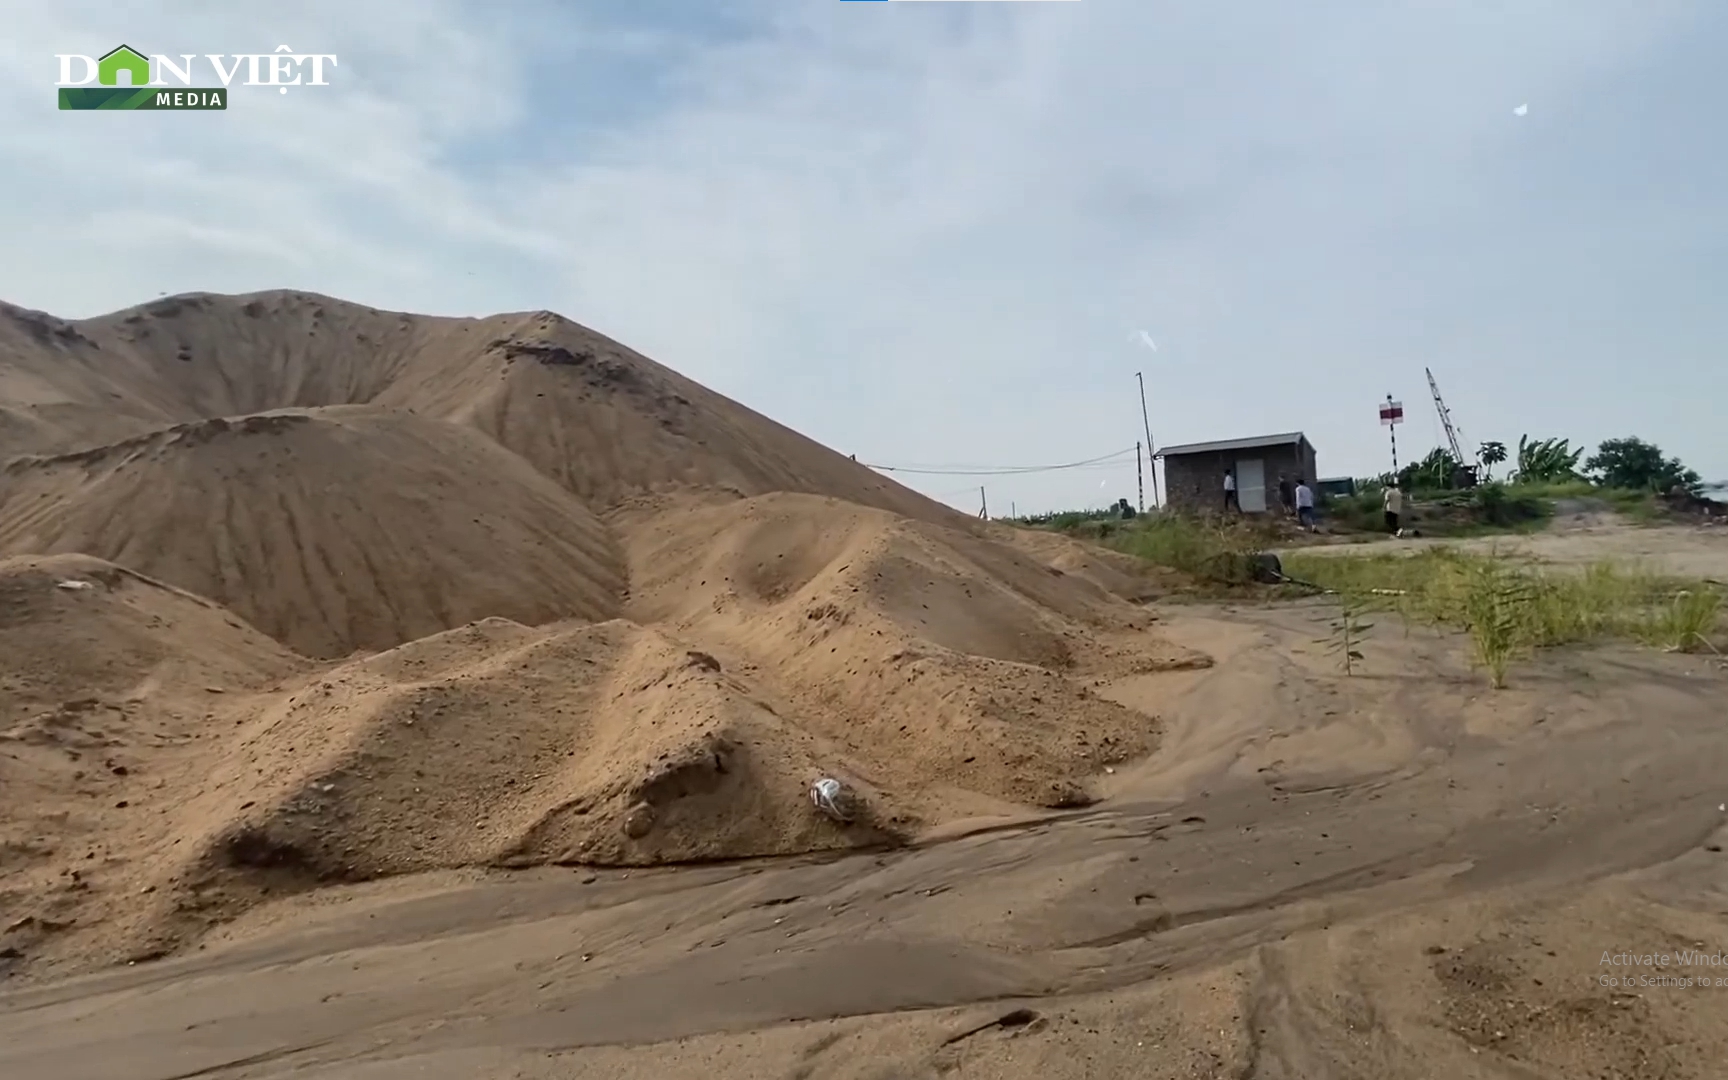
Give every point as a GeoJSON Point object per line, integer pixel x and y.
{"type": "Point", "coordinates": [1500, 613]}
{"type": "Point", "coordinates": [1217, 550]}
{"type": "Point", "coordinates": [1685, 623]}
{"type": "Point", "coordinates": [1510, 609]}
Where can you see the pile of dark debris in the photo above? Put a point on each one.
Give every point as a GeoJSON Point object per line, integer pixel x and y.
{"type": "Point", "coordinates": [1684, 503]}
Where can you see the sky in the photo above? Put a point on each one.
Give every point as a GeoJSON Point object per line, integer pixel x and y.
{"type": "Point", "coordinates": [948, 235]}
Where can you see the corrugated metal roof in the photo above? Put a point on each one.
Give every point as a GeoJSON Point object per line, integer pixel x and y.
{"type": "Point", "coordinates": [1233, 444]}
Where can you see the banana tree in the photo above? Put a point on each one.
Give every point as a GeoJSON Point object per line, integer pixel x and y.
{"type": "Point", "coordinates": [1432, 473]}
{"type": "Point", "coordinates": [1547, 460]}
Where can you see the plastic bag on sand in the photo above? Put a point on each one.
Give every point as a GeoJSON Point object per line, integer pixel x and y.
{"type": "Point", "coordinates": [828, 795]}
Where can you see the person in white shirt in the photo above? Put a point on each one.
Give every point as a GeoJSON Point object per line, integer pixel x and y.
{"type": "Point", "coordinates": [1230, 502]}
{"type": "Point", "coordinates": [1393, 502]}
{"type": "Point", "coordinates": [1304, 504]}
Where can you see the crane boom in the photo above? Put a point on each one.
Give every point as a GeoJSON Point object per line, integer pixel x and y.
{"type": "Point", "coordinates": [1446, 420]}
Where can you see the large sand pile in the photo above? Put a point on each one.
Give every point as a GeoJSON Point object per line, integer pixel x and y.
{"type": "Point", "coordinates": [614, 618]}
{"type": "Point", "coordinates": [604, 421]}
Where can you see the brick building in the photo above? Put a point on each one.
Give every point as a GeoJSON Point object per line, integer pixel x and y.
{"type": "Point", "coordinates": [1194, 473]}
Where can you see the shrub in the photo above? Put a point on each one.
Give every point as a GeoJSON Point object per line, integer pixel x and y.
{"type": "Point", "coordinates": [1195, 546]}
{"type": "Point", "coordinates": [1359, 512]}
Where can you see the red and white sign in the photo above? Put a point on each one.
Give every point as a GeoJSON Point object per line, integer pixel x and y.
{"type": "Point", "coordinates": [1391, 412]}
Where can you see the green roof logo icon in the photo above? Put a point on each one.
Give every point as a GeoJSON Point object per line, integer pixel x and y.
{"type": "Point", "coordinates": [127, 59]}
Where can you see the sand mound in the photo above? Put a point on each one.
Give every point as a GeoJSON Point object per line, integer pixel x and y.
{"type": "Point", "coordinates": [330, 529]}
{"type": "Point", "coordinates": [952, 670]}
{"type": "Point", "coordinates": [107, 679]}
{"type": "Point", "coordinates": [770, 641]}
{"type": "Point", "coordinates": [604, 421]}
{"type": "Point", "coordinates": [599, 743]}
{"type": "Point", "coordinates": [1122, 575]}
{"type": "Point", "coordinates": [75, 628]}
{"type": "Point", "coordinates": [494, 744]}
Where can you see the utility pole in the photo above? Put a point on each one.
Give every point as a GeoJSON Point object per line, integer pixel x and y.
{"type": "Point", "coordinates": [1391, 415]}
{"type": "Point", "coordinates": [1139, 482]}
{"type": "Point", "coordinates": [983, 506]}
{"type": "Point", "coordinates": [1147, 422]}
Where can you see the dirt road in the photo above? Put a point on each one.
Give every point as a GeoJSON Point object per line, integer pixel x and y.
{"type": "Point", "coordinates": [1395, 875]}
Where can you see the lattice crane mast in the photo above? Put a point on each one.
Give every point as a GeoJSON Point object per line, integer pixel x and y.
{"type": "Point", "coordinates": [1446, 422]}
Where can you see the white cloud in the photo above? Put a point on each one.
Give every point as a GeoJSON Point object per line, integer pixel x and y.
{"type": "Point", "coordinates": [917, 232]}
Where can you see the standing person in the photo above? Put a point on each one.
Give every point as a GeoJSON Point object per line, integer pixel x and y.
{"type": "Point", "coordinates": [1230, 502]}
{"type": "Point", "coordinates": [1393, 501]}
{"type": "Point", "coordinates": [1304, 504]}
{"type": "Point", "coordinates": [1287, 494]}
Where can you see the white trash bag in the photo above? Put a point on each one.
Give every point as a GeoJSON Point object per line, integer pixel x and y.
{"type": "Point", "coordinates": [829, 796]}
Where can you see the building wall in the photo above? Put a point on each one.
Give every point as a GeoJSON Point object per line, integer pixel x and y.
{"type": "Point", "coordinates": [1195, 482]}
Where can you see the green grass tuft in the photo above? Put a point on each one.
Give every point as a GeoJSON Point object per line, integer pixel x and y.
{"type": "Point", "coordinates": [1510, 609]}
{"type": "Point", "coordinates": [1685, 623]}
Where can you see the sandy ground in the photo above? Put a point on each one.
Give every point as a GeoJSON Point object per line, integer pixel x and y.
{"type": "Point", "coordinates": [1691, 551]}
{"type": "Point", "coordinates": [384, 696]}
{"type": "Point", "coordinates": [1399, 874]}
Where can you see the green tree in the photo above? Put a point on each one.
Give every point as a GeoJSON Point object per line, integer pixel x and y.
{"type": "Point", "coordinates": [1492, 454]}
{"type": "Point", "coordinates": [1635, 465]}
{"type": "Point", "coordinates": [1432, 473]}
{"type": "Point", "coordinates": [1547, 460]}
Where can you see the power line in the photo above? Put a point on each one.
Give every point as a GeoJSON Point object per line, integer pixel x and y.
{"type": "Point", "coordinates": [1006, 470]}
{"type": "Point", "coordinates": [1105, 465]}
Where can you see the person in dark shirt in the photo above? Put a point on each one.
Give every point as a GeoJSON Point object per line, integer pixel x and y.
{"type": "Point", "coordinates": [1287, 494]}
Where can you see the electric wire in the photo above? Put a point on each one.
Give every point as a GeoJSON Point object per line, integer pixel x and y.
{"type": "Point", "coordinates": [1105, 460]}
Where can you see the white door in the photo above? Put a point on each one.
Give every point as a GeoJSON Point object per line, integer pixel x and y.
{"type": "Point", "coordinates": [1251, 485]}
